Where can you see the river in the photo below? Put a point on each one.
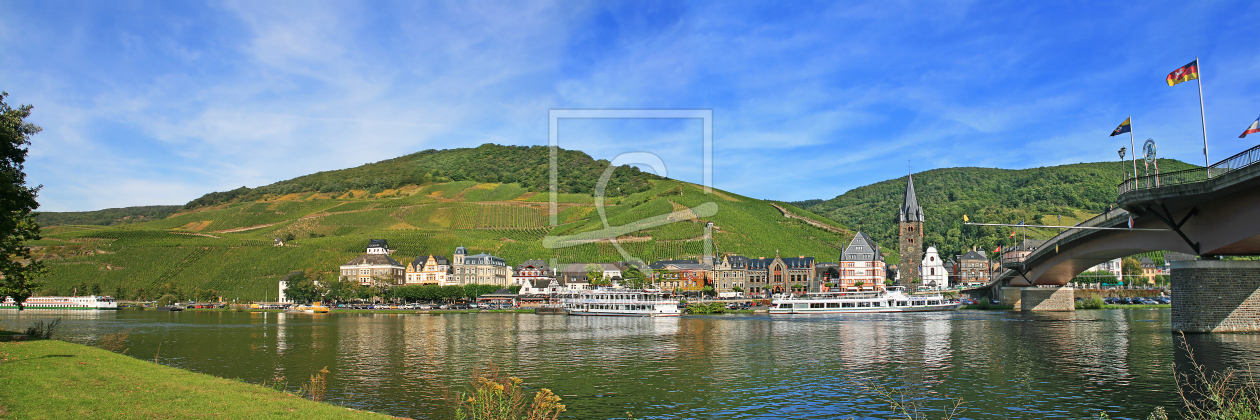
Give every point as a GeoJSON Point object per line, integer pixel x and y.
{"type": "Point", "coordinates": [1002, 364]}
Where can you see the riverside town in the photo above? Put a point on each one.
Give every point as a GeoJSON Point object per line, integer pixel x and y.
{"type": "Point", "coordinates": [629, 210]}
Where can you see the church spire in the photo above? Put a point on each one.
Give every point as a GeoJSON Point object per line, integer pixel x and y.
{"type": "Point", "coordinates": [910, 211]}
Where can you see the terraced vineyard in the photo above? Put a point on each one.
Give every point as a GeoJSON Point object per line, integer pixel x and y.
{"type": "Point", "coordinates": [227, 249]}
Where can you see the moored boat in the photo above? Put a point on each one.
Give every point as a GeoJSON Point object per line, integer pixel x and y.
{"type": "Point", "coordinates": [63, 302]}
{"type": "Point", "coordinates": [315, 308]}
{"type": "Point", "coordinates": [621, 302]}
{"type": "Point", "coordinates": [893, 299]}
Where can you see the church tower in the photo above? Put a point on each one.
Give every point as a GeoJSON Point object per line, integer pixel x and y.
{"type": "Point", "coordinates": [910, 237]}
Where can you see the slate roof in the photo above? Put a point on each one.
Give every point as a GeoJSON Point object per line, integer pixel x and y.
{"type": "Point", "coordinates": [535, 265]}
{"type": "Point", "coordinates": [420, 261]}
{"type": "Point", "coordinates": [378, 243]}
{"type": "Point", "coordinates": [484, 259]}
{"type": "Point", "coordinates": [791, 263]}
{"type": "Point", "coordinates": [911, 211]}
{"type": "Point", "coordinates": [374, 259]}
{"type": "Point", "coordinates": [862, 248]}
{"type": "Point", "coordinates": [973, 255]}
{"type": "Point", "coordinates": [660, 265]}
{"type": "Point", "coordinates": [737, 261]}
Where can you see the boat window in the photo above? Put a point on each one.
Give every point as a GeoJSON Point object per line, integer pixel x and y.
{"type": "Point", "coordinates": [833, 304]}
{"type": "Point", "coordinates": [817, 305]}
{"type": "Point", "coordinates": [802, 305]}
{"type": "Point", "coordinates": [846, 304]}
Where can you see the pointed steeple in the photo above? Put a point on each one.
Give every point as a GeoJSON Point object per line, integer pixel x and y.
{"type": "Point", "coordinates": [910, 211]}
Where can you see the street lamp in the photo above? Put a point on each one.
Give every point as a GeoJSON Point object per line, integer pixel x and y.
{"type": "Point", "coordinates": [1122, 175]}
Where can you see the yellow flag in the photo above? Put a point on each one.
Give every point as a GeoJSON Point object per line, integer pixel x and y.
{"type": "Point", "coordinates": [965, 219]}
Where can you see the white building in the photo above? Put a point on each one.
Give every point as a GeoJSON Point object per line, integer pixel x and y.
{"type": "Point", "coordinates": [479, 269]}
{"type": "Point", "coordinates": [1112, 267]}
{"type": "Point", "coordinates": [932, 270]}
{"type": "Point", "coordinates": [374, 265]}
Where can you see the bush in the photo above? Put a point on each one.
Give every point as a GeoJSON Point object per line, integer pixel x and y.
{"type": "Point", "coordinates": [706, 308]}
{"type": "Point", "coordinates": [1092, 302]}
{"type": "Point", "coordinates": [497, 398]}
{"type": "Point", "coordinates": [43, 330]}
{"type": "Point", "coordinates": [166, 300]}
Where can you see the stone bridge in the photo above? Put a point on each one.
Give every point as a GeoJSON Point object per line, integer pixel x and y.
{"type": "Point", "coordinates": [1210, 212]}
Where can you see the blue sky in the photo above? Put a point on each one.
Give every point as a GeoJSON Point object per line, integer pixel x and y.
{"type": "Point", "coordinates": [160, 102]}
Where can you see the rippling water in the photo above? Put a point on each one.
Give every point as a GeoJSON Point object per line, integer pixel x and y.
{"type": "Point", "coordinates": [1002, 364]}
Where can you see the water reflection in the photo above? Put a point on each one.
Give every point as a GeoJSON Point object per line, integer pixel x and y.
{"type": "Point", "coordinates": [1004, 364]}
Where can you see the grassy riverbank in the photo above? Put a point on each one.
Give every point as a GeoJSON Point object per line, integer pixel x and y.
{"type": "Point", "coordinates": [49, 379]}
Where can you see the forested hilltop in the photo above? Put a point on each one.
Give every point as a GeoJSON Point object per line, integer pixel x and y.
{"type": "Point", "coordinates": [527, 166]}
{"type": "Point", "coordinates": [1056, 195]}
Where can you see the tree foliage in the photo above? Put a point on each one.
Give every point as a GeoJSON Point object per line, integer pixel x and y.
{"type": "Point", "coordinates": [302, 288]}
{"type": "Point", "coordinates": [633, 278]}
{"type": "Point", "coordinates": [1057, 195]}
{"type": "Point", "coordinates": [17, 202]}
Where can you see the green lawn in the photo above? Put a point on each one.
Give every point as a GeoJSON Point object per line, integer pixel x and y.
{"type": "Point", "coordinates": [49, 379]}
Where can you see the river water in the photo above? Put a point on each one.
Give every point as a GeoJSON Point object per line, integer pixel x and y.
{"type": "Point", "coordinates": [1002, 364]}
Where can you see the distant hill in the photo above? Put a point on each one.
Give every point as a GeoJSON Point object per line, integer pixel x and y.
{"type": "Point", "coordinates": [1057, 195]}
{"type": "Point", "coordinates": [527, 166]}
{"type": "Point", "coordinates": [223, 245]}
{"type": "Point", "coordinates": [107, 217]}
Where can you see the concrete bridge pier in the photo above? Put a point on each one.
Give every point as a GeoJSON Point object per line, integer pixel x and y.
{"type": "Point", "coordinates": [1054, 299]}
{"type": "Point", "coordinates": [1216, 296]}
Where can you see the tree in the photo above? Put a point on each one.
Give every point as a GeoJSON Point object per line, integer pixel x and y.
{"type": "Point", "coordinates": [737, 289]}
{"type": "Point", "coordinates": [708, 290]}
{"type": "Point", "coordinates": [301, 287]}
{"type": "Point", "coordinates": [595, 274]}
{"type": "Point", "coordinates": [18, 271]}
{"type": "Point", "coordinates": [634, 278]}
{"type": "Point", "coordinates": [1132, 269]}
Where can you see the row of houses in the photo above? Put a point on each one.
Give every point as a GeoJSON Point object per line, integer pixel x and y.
{"type": "Point", "coordinates": [861, 267]}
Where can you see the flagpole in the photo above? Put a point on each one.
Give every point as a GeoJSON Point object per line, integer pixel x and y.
{"type": "Point", "coordinates": [1132, 148]}
{"type": "Point", "coordinates": [1202, 117]}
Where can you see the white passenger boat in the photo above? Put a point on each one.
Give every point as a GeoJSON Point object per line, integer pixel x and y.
{"type": "Point", "coordinates": [63, 302]}
{"type": "Point", "coordinates": [621, 302]}
{"type": "Point", "coordinates": [892, 300]}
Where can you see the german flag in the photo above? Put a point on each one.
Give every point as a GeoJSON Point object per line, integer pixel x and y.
{"type": "Point", "coordinates": [1184, 73]}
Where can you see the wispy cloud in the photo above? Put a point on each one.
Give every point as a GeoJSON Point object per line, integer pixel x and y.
{"type": "Point", "coordinates": [160, 103]}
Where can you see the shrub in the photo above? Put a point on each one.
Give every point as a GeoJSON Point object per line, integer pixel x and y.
{"type": "Point", "coordinates": [43, 330]}
{"type": "Point", "coordinates": [496, 398]}
{"type": "Point", "coordinates": [166, 300]}
{"type": "Point", "coordinates": [1092, 302]}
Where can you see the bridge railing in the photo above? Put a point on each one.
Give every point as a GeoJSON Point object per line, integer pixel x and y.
{"type": "Point", "coordinates": [1189, 176]}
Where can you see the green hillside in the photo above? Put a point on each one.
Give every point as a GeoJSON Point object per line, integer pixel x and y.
{"type": "Point", "coordinates": [107, 217]}
{"type": "Point", "coordinates": [227, 248]}
{"type": "Point", "coordinates": [1037, 196]}
{"type": "Point", "coordinates": [526, 166]}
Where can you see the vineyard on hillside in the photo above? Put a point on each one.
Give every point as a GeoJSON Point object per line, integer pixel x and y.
{"type": "Point", "coordinates": [227, 250]}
